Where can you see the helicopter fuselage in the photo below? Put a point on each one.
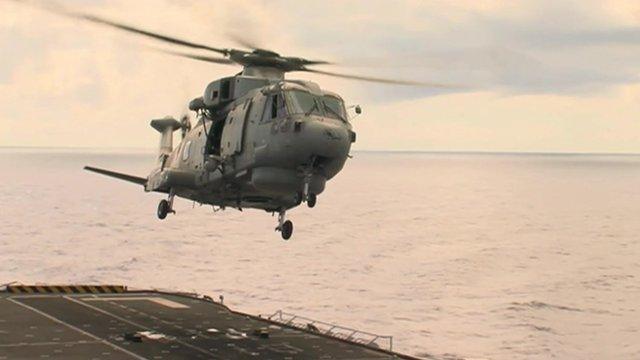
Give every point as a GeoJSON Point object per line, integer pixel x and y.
{"type": "Point", "coordinates": [269, 149]}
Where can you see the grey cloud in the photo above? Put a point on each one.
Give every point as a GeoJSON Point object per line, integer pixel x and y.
{"type": "Point", "coordinates": [562, 48]}
{"type": "Point", "coordinates": [493, 51]}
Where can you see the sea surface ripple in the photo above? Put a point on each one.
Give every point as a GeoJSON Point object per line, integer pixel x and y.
{"type": "Point", "coordinates": [457, 255]}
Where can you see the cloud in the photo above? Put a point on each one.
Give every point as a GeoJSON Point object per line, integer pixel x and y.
{"type": "Point", "coordinates": [517, 47]}
{"type": "Point", "coordinates": [63, 82]}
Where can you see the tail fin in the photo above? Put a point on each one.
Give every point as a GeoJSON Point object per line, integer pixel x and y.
{"type": "Point", "coordinates": [165, 127]}
{"type": "Point", "coordinates": [117, 175]}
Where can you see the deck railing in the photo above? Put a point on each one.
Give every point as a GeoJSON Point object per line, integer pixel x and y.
{"type": "Point", "coordinates": [333, 330]}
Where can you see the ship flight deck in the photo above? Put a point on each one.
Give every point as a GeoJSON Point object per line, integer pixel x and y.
{"type": "Point", "coordinates": [111, 322]}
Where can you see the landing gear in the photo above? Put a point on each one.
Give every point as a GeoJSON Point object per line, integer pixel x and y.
{"type": "Point", "coordinates": [163, 209]}
{"type": "Point", "coordinates": [166, 206]}
{"type": "Point", "coordinates": [287, 229]}
{"type": "Point", "coordinates": [305, 195]}
{"type": "Point", "coordinates": [284, 226]}
{"type": "Point", "coordinates": [311, 200]}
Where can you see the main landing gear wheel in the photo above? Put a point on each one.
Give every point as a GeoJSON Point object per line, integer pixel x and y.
{"type": "Point", "coordinates": [311, 200]}
{"type": "Point", "coordinates": [284, 226]}
{"type": "Point", "coordinates": [287, 229]}
{"type": "Point", "coordinates": [163, 209]}
{"type": "Point", "coordinates": [166, 206]}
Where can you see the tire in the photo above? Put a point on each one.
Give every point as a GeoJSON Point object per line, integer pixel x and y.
{"type": "Point", "coordinates": [163, 209]}
{"type": "Point", "coordinates": [287, 229]}
{"type": "Point", "coordinates": [311, 201]}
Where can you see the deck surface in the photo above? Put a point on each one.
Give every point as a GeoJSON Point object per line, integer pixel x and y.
{"type": "Point", "coordinates": [93, 326]}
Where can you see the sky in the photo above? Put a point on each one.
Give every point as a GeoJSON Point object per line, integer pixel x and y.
{"type": "Point", "coordinates": [536, 75]}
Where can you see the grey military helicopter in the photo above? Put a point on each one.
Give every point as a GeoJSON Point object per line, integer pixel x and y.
{"type": "Point", "coordinates": [260, 141]}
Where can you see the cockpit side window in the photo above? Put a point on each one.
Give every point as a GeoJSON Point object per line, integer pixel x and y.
{"type": "Point", "coordinates": [282, 109]}
{"type": "Point", "coordinates": [334, 107]}
{"type": "Point", "coordinates": [269, 106]}
{"type": "Point", "coordinates": [274, 106]}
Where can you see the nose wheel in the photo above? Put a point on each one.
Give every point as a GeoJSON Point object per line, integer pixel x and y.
{"type": "Point", "coordinates": [311, 200]}
{"type": "Point", "coordinates": [307, 196]}
{"type": "Point", "coordinates": [284, 226]}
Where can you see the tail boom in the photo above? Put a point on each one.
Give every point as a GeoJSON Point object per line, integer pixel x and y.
{"type": "Point", "coordinates": [130, 178]}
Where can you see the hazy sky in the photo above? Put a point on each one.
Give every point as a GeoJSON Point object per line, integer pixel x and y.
{"type": "Point", "coordinates": [540, 75]}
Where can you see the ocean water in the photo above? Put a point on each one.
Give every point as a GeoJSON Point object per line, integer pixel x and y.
{"type": "Point", "coordinates": [455, 255]}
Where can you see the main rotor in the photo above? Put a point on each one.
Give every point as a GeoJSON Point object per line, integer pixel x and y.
{"type": "Point", "coordinates": [257, 61]}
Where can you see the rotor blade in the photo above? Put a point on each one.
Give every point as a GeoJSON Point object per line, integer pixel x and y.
{"type": "Point", "coordinates": [243, 41]}
{"type": "Point", "coordinates": [57, 9]}
{"type": "Point", "coordinates": [382, 80]}
{"type": "Point", "coordinates": [208, 59]}
{"type": "Point", "coordinates": [318, 62]}
{"type": "Point", "coordinates": [156, 36]}
{"type": "Point", "coordinates": [304, 62]}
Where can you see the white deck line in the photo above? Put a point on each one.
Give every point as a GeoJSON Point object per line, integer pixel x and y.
{"type": "Point", "coordinates": [199, 349]}
{"type": "Point", "coordinates": [135, 356]}
{"type": "Point", "coordinates": [158, 300]}
{"type": "Point", "coordinates": [50, 343]}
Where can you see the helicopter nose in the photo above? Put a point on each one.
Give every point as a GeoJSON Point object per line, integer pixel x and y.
{"type": "Point", "coordinates": [325, 138]}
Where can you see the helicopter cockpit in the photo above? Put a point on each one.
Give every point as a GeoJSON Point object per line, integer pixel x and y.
{"type": "Point", "coordinates": [302, 102]}
{"type": "Point", "coordinates": [276, 102]}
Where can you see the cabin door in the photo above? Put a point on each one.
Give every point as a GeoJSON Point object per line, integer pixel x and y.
{"type": "Point", "coordinates": [233, 131]}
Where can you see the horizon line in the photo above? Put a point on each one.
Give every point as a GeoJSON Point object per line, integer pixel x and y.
{"type": "Point", "coordinates": [468, 152]}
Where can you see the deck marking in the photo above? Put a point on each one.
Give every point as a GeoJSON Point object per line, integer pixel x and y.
{"type": "Point", "coordinates": [104, 341]}
{"type": "Point", "coordinates": [33, 296]}
{"type": "Point", "coordinates": [158, 300]}
{"type": "Point", "coordinates": [204, 351]}
{"type": "Point", "coordinates": [48, 343]}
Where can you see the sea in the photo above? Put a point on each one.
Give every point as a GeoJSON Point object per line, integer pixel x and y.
{"type": "Point", "coordinates": [456, 255]}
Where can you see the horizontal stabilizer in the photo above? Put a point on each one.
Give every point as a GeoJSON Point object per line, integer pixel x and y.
{"type": "Point", "coordinates": [117, 175]}
{"type": "Point", "coordinates": [167, 123]}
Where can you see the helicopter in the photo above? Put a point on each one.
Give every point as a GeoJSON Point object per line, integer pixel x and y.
{"type": "Point", "coordinates": [260, 141]}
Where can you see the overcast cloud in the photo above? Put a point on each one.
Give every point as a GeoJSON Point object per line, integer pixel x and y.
{"type": "Point", "coordinates": [563, 73]}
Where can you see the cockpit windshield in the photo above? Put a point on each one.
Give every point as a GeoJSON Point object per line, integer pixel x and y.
{"type": "Point", "coordinates": [302, 102]}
